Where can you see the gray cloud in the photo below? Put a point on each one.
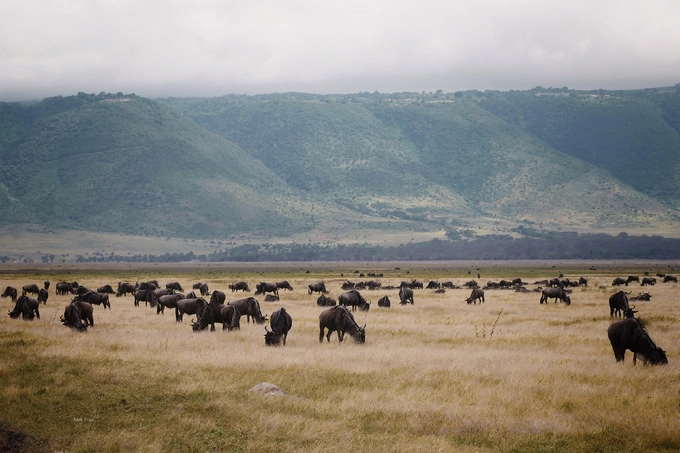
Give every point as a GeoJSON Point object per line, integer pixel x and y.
{"type": "Point", "coordinates": [209, 48]}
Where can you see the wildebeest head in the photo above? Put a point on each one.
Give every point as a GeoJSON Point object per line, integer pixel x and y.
{"type": "Point", "coordinates": [271, 338]}
{"type": "Point", "coordinates": [360, 335]}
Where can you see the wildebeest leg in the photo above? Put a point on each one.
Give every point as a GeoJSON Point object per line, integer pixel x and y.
{"type": "Point", "coordinates": [284, 338]}
{"type": "Point", "coordinates": [321, 329]}
{"type": "Point", "coordinates": [341, 335]}
{"type": "Point", "coordinates": [37, 312]}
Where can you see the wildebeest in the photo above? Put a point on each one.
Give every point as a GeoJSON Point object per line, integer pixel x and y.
{"type": "Point", "coordinates": [405, 295]}
{"type": "Point", "coordinates": [582, 281]}
{"type": "Point", "coordinates": [648, 281]}
{"type": "Point", "coordinates": [249, 307]}
{"type": "Point", "coordinates": [555, 282]}
{"type": "Point", "coordinates": [323, 301]}
{"type": "Point", "coordinates": [205, 291]}
{"type": "Point", "coordinates": [228, 315]}
{"type": "Point", "coordinates": [670, 278]}
{"type": "Point", "coordinates": [632, 278]}
{"type": "Point", "coordinates": [10, 292]}
{"type": "Point", "coordinates": [617, 303]}
{"type": "Point", "coordinates": [319, 287]}
{"type": "Point", "coordinates": [284, 285]}
{"type": "Point", "coordinates": [618, 281]}
{"type": "Point", "coordinates": [27, 307]}
{"type": "Point", "coordinates": [174, 286]}
{"type": "Point", "coordinates": [156, 293]}
{"type": "Point", "coordinates": [106, 289]}
{"type": "Point", "coordinates": [30, 288]}
{"type": "Point", "coordinates": [95, 298]}
{"type": "Point", "coordinates": [189, 306]}
{"type": "Point", "coordinates": [151, 284]}
{"type": "Point", "coordinates": [168, 301]}
{"type": "Point", "coordinates": [555, 293]}
{"type": "Point", "coordinates": [271, 298]}
{"type": "Point", "coordinates": [218, 298]}
{"type": "Point", "coordinates": [63, 288]}
{"type": "Point", "coordinates": [239, 286]}
{"type": "Point", "coordinates": [477, 293]}
{"type": "Point", "coordinates": [339, 319]}
{"type": "Point", "coordinates": [433, 285]}
{"type": "Point", "coordinates": [71, 318]}
{"type": "Point", "coordinates": [384, 302]}
{"type": "Point", "coordinates": [642, 296]}
{"type": "Point", "coordinates": [125, 288]}
{"type": "Point", "coordinates": [348, 285]}
{"type": "Point", "coordinates": [86, 310]}
{"type": "Point", "coordinates": [280, 322]}
{"type": "Point", "coordinates": [145, 295]}
{"type": "Point", "coordinates": [629, 334]}
{"type": "Point", "coordinates": [265, 287]}
{"type": "Point", "coordinates": [352, 298]}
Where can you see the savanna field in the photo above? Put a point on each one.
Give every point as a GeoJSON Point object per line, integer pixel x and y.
{"type": "Point", "coordinates": [439, 375]}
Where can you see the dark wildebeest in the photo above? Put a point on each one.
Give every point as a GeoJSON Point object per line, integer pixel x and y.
{"type": "Point", "coordinates": [169, 301]}
{"type": "Point", "coordinates": [617, 303]}
{"type": "Point", "coordinates": [27, 307]}
{"type": "Point", "coordinates": [85, 310]}
{"type": "Point", "coordinates": [63, 288]}
{"type": "Point", "coordinates": [555, 282]}
{"type": "Point", "coordinates": [106, 289]}
{"type": "Point", "coordinates": [323, 301]}
{"type": "Point", "coordinates": [629, 334]}
{"type": "Point", "coordinates": [239, 286]}
{"type": "Point", "coordinates": [83, 289]}
{"type": "Point", "coordinates": [648, 281]}
{"type": "Point", "coordinates": [582, 281]}
{"type": "Point", "coordinates": [284, 285]}
{"type": "Point", "coordinates": [271, 298]}
{"type": "Point", "coordinates": [384, 302]}
{"type": "Point", "coordinates": [228, 315]}
{"type": "Point", "coordinates": [280, 322]}
{"type": "Point", "coordinates": [373, 284]}
{"type": "Point", "coordinates": [151, 284]}
{"type": "Point", "coordinates": [642, 296]}
{"type": "Point", "coordinates": [433, 285]}
{"type": "Point", "coordinates": [555, 293]}
{"type": "Point", "coordinates": [249, 307]}
{"type": "Point", "coordinates": [11, 293]}
{"type": "Point", "coordinates": [319, 287]}
{"type": "Point", "coordinates": [632, 278]}
{"type": "Point", "coordinates": [46, 284]}
{"type": "Point", "coordinates": [618, 281]}
{"type": "Point", "coordinates": [353, 298]}
{"type": "Point", "coordinates": [471, 284]}
{"type": "Point", "coordinates": [670, 278]}
{"type": "Point", "coordinates": [205, 291]}
{"type": "Point", "coordinates": [30, 288]}
{"type": "Point", "coordinates": [174, 286]}
{"type": "Point", "coordinates": [72, 318]}
{"type": "Point", "coordinates": [340, 319]}
{"type": "Point", "coordinates": [218, 298]}
{"type": "Point", "coordinates": [125, 288]}
{"type": "Point", "coordinates": [264, 287]}
{"type": "Point", "coordinates": [405, 295]}
{"type": "Point", "coordinates": [156, 293]}
{"type": "Point", "coordinates": [43, 295]}
{"type": "Point", "coordinates": [95, 298]}
{"type": "Point", "coordinates": [348, 285]}
{"type": "Point", "coordinates": [477, 293]}
{"type": "Point", "coordinates": [145, 295]}
{"type": "Point", "coordinates": [192, 306]}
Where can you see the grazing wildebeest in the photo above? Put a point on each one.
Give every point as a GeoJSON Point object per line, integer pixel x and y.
{"type": "Point", "coordinates": [670, 278]}
{"type": "Point", "coordinates": [271, 298]}
{"type": "Point", "coordinates": [471, 284]}
{"type": "Point", "coordinates": [405, 295]}
{"type": "Point", "coordinates": [348, 285]}
{"type": "Point", "coordinates": [555, 282]}
{"type": "Point", "coordinates": [106, 289]}
{"type": "Point", "coordinates": [72, 318]}
{"type": "Point", "coordinates": [319, 287]}
{"type": "Point", "coordinates": [352, 298]}
{"type": "Point", "coordinates": [10, 292]}
{"type": "Point", "coordinates": [144, 294]}
{"type": "Point", "coordinates": [582, 281]}
{"type": "Point", "coordinates": [95, 298]}
{"type": "Point", "coordinates": [632, 278]}
{"type": "Point", "coordinates": [618, 281]}
{"type": "Point", "coordinates": [174, 286]}
{"type": "Point", "coordinates": [384, 302]}
{"type": "Point", "coordinates": [280, 322]}
{"type": "Point", "coordinates": [151, 284]}
{"type": "Point", "coordinates": [228, 315]}
{"type": "Point", "coordinates": [43, 295]}
{"type": "Point", "coordinates": [617, 303]}
{"type": "Point", "coordinates": [27, 307]}
{"type": "Point", "coordinates": [218, 298]}
{"type": "Point", "coordinates": [433, 285]}
{"type": "Point", "coordinates": [339, 319]}
{"type": "Point", "coordinates": [648, 281]}
{"type": "Point", "coordinates": [555, 293]}
{"type": "Point", "coordinates": [264, 287]}
{"type": "Point", "coordinates": [169, 301]}
{"type": "Point", "coordinates": [30, 288]}
{"type": "Point", "coordinates": [249, 307]}
{"type": "Point", "coordinates": [284, 285]}
{"type": "Point", "coordinates": [373, 284]}
{"type": "Point", "coordinates": [125, 288]}
{"type": "Point", "coordinates": [156, 293]}
{"type": "Point", "coordinates": [239, 286]}
{"type": "Point", "coordinates": [629, 334]}
{"type": "Point", "coordinates": [63, 288]}
{"type": "Point", "coordinates": [477, 293]}
{"type": "Point", "coordinates": [193, 306]}
{"type": "Point", "coordinates": [323, 301]}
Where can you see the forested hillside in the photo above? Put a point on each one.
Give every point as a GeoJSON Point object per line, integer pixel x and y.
{"type": "Point", "coordinates": [333, 168]}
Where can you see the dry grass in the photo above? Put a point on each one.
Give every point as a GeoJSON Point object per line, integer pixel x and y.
{"type": "Point", "coordinates": [441, 375]}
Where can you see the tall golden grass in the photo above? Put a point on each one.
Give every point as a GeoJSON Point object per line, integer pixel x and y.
{"type": "Point", "coordinates": [440, 375]}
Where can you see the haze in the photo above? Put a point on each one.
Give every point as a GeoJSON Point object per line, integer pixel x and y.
{"type": "Point", "coordinates": [211, 48]}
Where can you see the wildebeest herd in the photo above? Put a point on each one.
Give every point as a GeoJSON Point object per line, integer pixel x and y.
{"type": "Point", "coordinates": [625, 334]}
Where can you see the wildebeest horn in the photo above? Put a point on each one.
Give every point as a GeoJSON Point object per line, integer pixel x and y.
{"type": "Point", "coordinates": [265, 328]}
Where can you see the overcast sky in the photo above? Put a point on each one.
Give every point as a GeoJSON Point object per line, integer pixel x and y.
{"type": "Point", "coordinates": [213, 47]}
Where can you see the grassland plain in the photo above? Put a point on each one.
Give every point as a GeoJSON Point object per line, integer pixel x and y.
{"type": "Point", "coordinates": [440, 375]}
